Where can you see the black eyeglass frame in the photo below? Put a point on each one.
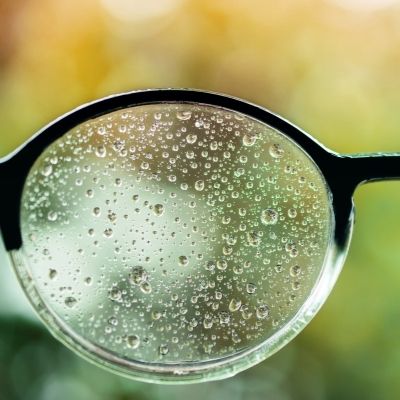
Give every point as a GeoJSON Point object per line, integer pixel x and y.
{"type": "Point", "coordinates": [342, 173]}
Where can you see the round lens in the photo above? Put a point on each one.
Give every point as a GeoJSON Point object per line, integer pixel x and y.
{"type": "Point", "coordinates": [175, 241]}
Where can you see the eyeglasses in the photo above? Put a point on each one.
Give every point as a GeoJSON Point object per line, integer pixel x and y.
{"type": "Point", "coordinates": [178, 235]}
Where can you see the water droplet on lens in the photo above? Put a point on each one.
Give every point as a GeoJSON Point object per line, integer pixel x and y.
{"type": "Point", "coordinates": [234, 305]}
{"type": "Point", "coordinates": [249, 139]}
{"type": "Point", "coordinates": [183, 260]}
{"type": "Point", "coordinates": [156, 315]}
{"type": "Point", "coordinates": [207, 323]}
{"type": "Point", "coordinates": [183, 115]}
{"type": "Point", "coordinates": [112, 216]}
{"type": "Point", "coordinates": [262, 312]}
{"type": "Point", "coordinates": [138, 275]}
{"type": "Point", "coordinates": [47, 170]}
{"type": "Point", "coordinates": [224, 318]}
{"type": "Point", "coordinates": [52, 216]}
{"type": "Point", "coordinates": [88, 281]}
{"type": "Point", "coordinates": [251, 288]}
{"type": "Point", "coordinates": [159, 209]}
{"type": "Point", "coordinates": [222, 265]}
{"type": "Point", "coordinates": [108, 232]}
{"type": "Point", "coordinates": [115, 294]}
{"type": "Point", "coordinates": [70, 302]}
{"type": "Point", "coordinates": [101, 151]}
{"type": "Point", "coordinates": [191, 138]}
{"type": "Point", "coordinates": [269, 216]}
{"type": "Point", "coordinates": [245, 311]}
{"type": "Point", "coordinates": [101, 130]}
{"type": "Point", "coordinates": [295, 270]}
{"type": "Point", "coordinates": [133, 341]}
{"type": "Point", "coordinates": [210, 266]}
{"type": "Point", "coordinates": [276, 150]}
{"type": "Point", "coordinates": [296, 285]}
{"type": "Point", "coordinates": [163, 349]}
{"type": "Point", "coordinates": [199, 185]}
{"type": "Point", "coordinates": [145, 287]}
{"type": "Point", "coordinates": [113, 321]}
{"type": "Point", "coordinates": [52, 274]}
{"type": "Point", "coordinates": [145, 165]}
{"type": "Point", "coordinates": [253, 239]}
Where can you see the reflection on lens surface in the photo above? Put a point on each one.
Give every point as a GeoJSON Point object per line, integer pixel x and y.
{"type": "Point", "coordinates": [173, 234]}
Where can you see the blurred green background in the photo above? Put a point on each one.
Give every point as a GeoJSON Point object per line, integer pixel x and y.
{"type": "Point", "coordinates": [330, 66]}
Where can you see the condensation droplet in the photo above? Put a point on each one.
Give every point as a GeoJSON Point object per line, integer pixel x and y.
{"type": "Point", "coordinates": [70, 302]}
{"type": "Point", "coordinates": [262, 311]}
{"type": "Point", "coordinates": [235, 305]}
{"type": "Point", "coordinates": [276, 150]}
{"type": "Point", "coordinates": [251, 288]}
{"type": "Point", "coordinates": [269, 216]}
{"type": "Point", "coordinates": [145, 165]}
{"type": "Point", "coordinates": [47, 170]}
{"type": "Point", "coordinates": [222, 265]}
{"type": "Point", "coordinates": [88, 281]}
{"type": "Point", "coordinates": [52, 274]}
{"type": "Point", "coordinates": [249, 139]}
{"type": "Point", "coordinates": [296, 285]}
{"type": "Point", "coordinates": [108, 232]}
{"type": "Point", "coordinates": [52, 216]}
{"type": "Point", "coordinates": [163, 349]}
{"type": "Point", "coordinates": [246, 312]}
{"type": "Point", "coordinates": [101, 130]}
{"type": "Point", "coordinates": [191, 138]}
{"type": "Point", "coordinates": [145, 287]}
{"type": "Point", "coordinates": [138, 275]}
{"type": "Point", "coordinates": [199, 185]}
{"type": "Point", "coordinates": [208, 323]}
{"type": "Point", "coordinates": [184, 115]}
{"type": "Point", "coordinates": [133, 341]}
{"type": "Point", "coordinates": [112, 216]}
{"type": "Point", "coordinates": [159, 209]}
{"type": "Point", "coordinates": [156, 315]}
{"type": "Point", "coordinates": [224, 318]}
{"type": "Point", "coordinates": [253, 239]}
{"type": "Point", "coordinates": [295, 270]}
{"type": "Point", "coordinates": [115, 294]}
{"type": "Point", "coordinates": [183, 260]}
{"type": "Point", "coordinates": [101, 151]}
{"type": "Point", "coordinates": [113, 321]}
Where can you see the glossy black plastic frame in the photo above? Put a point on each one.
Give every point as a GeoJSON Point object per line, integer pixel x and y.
{"type": "Point", "coordinates": [342, 172]}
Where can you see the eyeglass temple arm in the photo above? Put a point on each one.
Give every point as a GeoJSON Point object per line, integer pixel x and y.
{"type": "Point", "coordinates": [363, 168]}
{"type": "Point", "coordinates": [344, 173]}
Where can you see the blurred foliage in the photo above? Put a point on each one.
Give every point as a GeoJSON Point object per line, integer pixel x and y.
{"type": "Point", "coordinates": [331, 66]}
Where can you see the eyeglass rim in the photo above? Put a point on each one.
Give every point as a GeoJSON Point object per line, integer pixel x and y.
{"type": "Point", "coordinates": [15, 167]}
{"type": "Point", "coordinates": [316, 152]}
